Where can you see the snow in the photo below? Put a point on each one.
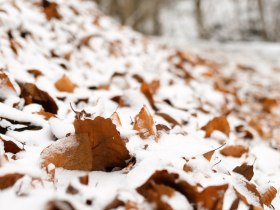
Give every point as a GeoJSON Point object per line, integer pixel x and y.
{"type": "Point", "coordinates": [91, 68]}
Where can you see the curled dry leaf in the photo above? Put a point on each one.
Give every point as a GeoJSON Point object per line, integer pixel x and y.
{"type": "Point", "coordinates": [11, 146]}
{"type": "Point", "coordinates": [72, 153]}
{"type": "Point", "coordinates": [269, 196]}
{"type": "Point", "coordinates": [219, 124]}
{"type": "Point", "coordinates": [64, 84]}
{"type": "Point", "coordinates": [144, 124]}
{"type": "Point", "coordinates": [108, 149]}
{"type": "Point", "coordinates": [32, 94]}
{"type": "Point", "coordinates": [245, 170]}
{"type": "Point", "coordinates": [8, 180]}
{"type": "Point", "coordinates": [59, 205]}
{"type": "Point", "coordinates": [234, 151]}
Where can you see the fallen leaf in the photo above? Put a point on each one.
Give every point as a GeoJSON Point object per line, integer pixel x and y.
{"type": "Point", "coordinates": [144, 124]}
{"type": "Point", "coordinates": [6, 85]}
{"type": "Point", "coordinates": [235, 204]}
{"type": "Point", "coordinates": [245, 170]}
{"type": "Point", "coordinates": [247, 197]}
{"type": "Point", "coordinates": [35, 72]}
{"type": "Point", "coordinates": [269, 195]}
{"type": "Point", "coordinates": [208, 155]}
{"type": "Point", "coordinates": [146, 90]}
{"type": "Point", "coordinates": [218, 123]}
{"type": "Point", "coordinates": [234, 151]}
{"type": "Point", "coordinates": [59, 205]}
{"type": "Point", "coordinates": [8, 180]}
{"type": "Point", "coordinates": [168, 118]}
{"type": "Point", "coordinates": [84, 180]}
{"type": "Point", "coordinates": [268, 104]}
{"type": "Point", "coordinates": [64, 84]}
{"type": "Point", "coordinates": [10, 146]}
{"type": "Point", "coordinates": [51, 10]}
{"type": "Point", "coordinates": [108, 149]}
{"type": "Point", "coordinates": [46, 115]}
{"type": "Point", "coordinates": [72, 153]}
{"type": "Point", "coordinates": [212, 197]}
{"type": "Point", "coordinates": [32, 94]}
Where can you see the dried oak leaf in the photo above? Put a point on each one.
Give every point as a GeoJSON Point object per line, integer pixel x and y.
{"type": "Point", "coordinates": [108, 149]}
{"type": "Point", "coordinates": [245, 170]}
{"type": "Point", "coordinates": [269, 195]}
{"type": "Point", "coordinates": [64, 84]}
{"type": "Point", "coordinates": [247, 196]}
{"type": "Point", "coordinates": [144, 124]}
{"type": "Point", "coordinates": [72, 153]}
{"type": "Point", "coordinates": [11, 146]}
{"type": "Point", "coordinates": [51, 10]}
{"type": "Point", "coordinates": [234, 151]}
{"type": "Point", "coordinates": [218, 123]}
{"type": "Point", "coordinates": [8, 180]}
{"type": "Point", "coordinates": [32, 94]}
{"type": "Point", "coordinates": [59, 205]}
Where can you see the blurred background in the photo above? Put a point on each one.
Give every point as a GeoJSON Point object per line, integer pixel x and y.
{"type": "Point", "coordinates": [218, 20]}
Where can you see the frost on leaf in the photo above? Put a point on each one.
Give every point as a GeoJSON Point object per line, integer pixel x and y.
{"type": "Point", "coordinates": [72, 153]}
{"type": "Point", "coordinates": [108, 149]}
{"type": "Point", "coordinates": [218, 123]}
{"type": "Point", "coordinates": [234, 151]}
{"type": "Point", "coordinates": [144, 124]}
{"type": "Point", "coordinates": [8, 180]}
{"type": "Point", "coordinates": [64, 84]}
{"type": "Point", "coordinates": [32, 94]}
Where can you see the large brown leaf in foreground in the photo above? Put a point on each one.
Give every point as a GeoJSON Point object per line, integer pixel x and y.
{"type": "Point", "coordinates": [72, 153]}
{"type": "Point", "coordinates": [219, 124]}
{"type": "Point", "coordinates": [108, 149]}
{"type": "Point", "coordinates": [32, 94]}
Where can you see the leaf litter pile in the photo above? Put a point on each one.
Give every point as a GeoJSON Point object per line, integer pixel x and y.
{"type": "Point", "coordinates": [96, 116]}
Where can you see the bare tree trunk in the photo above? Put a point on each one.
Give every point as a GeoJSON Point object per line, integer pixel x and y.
{"type": "Point", "coordinates": [200, 20]}
{"type": "Point", "coordinates": [262, 18]}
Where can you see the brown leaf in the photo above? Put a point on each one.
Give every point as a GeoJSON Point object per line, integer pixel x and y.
{"type": "Point", "coordinates": [245, 170]}
{"type": "Point", "coordinates": [268, 104]}
{"type": "Point", "coordinates": [46, 115]}
{"type": "Point", "coordinates": [51, 10]}
{"type": "Point", "coordinates": [144, 124]}
{"type": "Point", "coordinates": [208, 155]}
{"type": "Point", "coordinates": [64, 84]}
{"type": "Point", "coordinates": [148, 92]}
{"type": "Point", "coordinates": [10, 146]}
{"type": "Point", "coordinates": [84, 180]}
{"type": "Point", "coordinates": [32, 94]}
{"type": "Point", "coordinates": [35, 72]}
{"type": "Point", "coordinates": [108, 149]}
{"type": "Point", "coordinates": [212, 197]}
{"type": "Point", "coordinates": [187, 168]}
{"type": "Point", "coordinates": [234, 151]}
{"type": "Point", "coordinates": [168, 118]}
{"type": "Point", "coordinates": [59, 205]}
{"type": "Point", "coordinates": [218, 123]}
{"type": "Point", "coordinates": [251, 190]}
{"type": "Point", "coordinates": [72, 153]}
{"type": "Point", "coordinates": [6, 84]}
{"type": "Point", "coordinates": [269, 195]}
{"type": "Point", "coordinates": [235, 204]}
{"type": "Point", "coordinates": [8, 180]}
